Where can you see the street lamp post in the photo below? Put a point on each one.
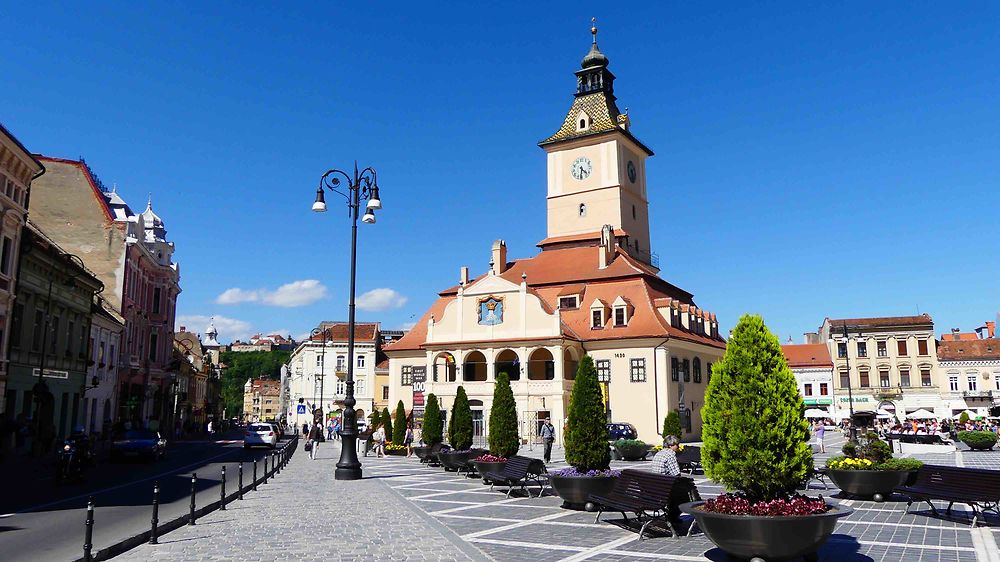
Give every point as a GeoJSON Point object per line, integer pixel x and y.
{"type": "Point", "coordinates": [363, 184]}
{"type": "Point", "coordinates": [322, 377]}
{"type": "Point", "coordinates": [850, 394]}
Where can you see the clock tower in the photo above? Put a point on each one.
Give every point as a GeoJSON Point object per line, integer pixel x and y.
{"type": "Point", "coordinates": [596, 168]}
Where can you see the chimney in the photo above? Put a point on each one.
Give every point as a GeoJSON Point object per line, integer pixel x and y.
{"type": "Point", "coordinates": [499, 258]}
{"type": "Point", "coordinates": [991, 329]}
{"type": "Point", "coordinates": [607, 247]}
{"type": "Point", "coordinates": [463, 275]}
{"type": "Point", "coordinates": [811, 337]}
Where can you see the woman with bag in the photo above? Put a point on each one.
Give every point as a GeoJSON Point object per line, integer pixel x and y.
{"type": "Point", "coordinates": [378, 437]}
{"type": "Point", "coordinates": [408, 440]}
{"type": "Point", "coordinates": [312, 441]}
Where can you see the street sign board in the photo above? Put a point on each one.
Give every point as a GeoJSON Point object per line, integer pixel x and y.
{"type": "Point", "coordinates": [300, 409]}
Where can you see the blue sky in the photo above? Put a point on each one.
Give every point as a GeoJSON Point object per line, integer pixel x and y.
{"type": "Point", "coordinates": [811, 161]}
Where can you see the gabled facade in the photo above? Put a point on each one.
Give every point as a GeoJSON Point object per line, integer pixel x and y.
{"type": "Point", "coordinates": [971, 370]}
{"type": "Point", "coordinates": [593, 289]}
{"type": "Point", "coordinates": [813, 370]}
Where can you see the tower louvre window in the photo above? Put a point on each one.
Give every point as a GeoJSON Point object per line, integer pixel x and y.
{"type": "Point", "coordinates": [583, 209]}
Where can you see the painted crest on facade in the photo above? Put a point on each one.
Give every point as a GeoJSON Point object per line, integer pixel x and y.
{"type": "Point", "coordinates": [491, 311]}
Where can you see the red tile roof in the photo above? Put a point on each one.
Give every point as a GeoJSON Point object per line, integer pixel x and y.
{"type": "Point", "coordinates": [338, 331]}
{"type": "Point", "coordinates": [807, 355]}
{"type": "Point", "coordinates": [959, 336]}
{"type": "Point", "coordinates": [969, 350]}
{"type": "Point", "coordinates": [578, 237]}
{"type": "Point", "coordinates": [883, 322]}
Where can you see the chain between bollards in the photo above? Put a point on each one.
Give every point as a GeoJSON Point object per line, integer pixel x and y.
{"type": "Point", "coordinates": [194, 481]}
{"type": "Point", "coordinates": [88, 540]}
{"type": "Point", "coordinates": [156, 512]}
{"type": "Point", "coordinates": [241, 480]}
{"type": "Point", "coordinates": [222, 493]}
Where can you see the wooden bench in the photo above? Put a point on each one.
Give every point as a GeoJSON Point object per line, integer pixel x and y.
{"type": "Point", "coordinates": [922, 439]}
{"type": "Point", "coordinates": [647, 495]}
{"type": "Point", "coordinates": [518, 472]}
{"type": "Point", "coordinates": [975, 487]}
{"type": "Point", "coordinates": [689, 458]}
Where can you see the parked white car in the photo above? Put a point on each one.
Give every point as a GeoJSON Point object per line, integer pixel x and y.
{"type": "Point", "coordinates": [260, 434]}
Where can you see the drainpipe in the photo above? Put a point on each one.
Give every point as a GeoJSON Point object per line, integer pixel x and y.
{"type": "Point", "coordinates": [656, 390]}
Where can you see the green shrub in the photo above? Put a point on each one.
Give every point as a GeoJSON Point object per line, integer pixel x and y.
{"type": "Point", "coordinates": [375, 420]}
{"type": "Point", "coordinates": [672, 424]}
{"type": "Point", "coordinates": [978, 439]}
{"type": "Point", "coordinates": [963, 417]}
{"type": "Point", "coordinates": [430, 432]}
{"type": "Point", "coordinates": [631, 449]}
{"type": "Point", "coordinates": [460, 427]}
{"type": "Point", "coordinates": [503, 438]}
{"type": "Point", "coordinates": [387, 424]}
{"type": "Point", "coordinates": [399, 424]}
{"type": "Point", "coordinates": [905, 463]}
{"type": "Point", "coordinates": [755, 438]}
{"type": "Point", "coordinates": [850, 449]}
{"type": "Point", "coordinates": [587, 428]}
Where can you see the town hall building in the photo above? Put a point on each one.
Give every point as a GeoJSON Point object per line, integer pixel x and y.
{"type": "Point", "coordinates": [593, 289]}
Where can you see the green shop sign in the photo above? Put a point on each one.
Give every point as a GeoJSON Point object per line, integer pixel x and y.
{"type": "Point", "coordinates": [818, 401]}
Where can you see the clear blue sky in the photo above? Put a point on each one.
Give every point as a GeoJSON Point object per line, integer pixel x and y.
{"type": "Point", "coordinates": [810, 161]}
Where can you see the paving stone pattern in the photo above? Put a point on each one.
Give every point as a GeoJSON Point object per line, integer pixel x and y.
{"type": "Point", "coordinates": [296, 517]}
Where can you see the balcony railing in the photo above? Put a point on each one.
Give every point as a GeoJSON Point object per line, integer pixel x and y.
{"type": "Point", "coordinates": [984, 394]}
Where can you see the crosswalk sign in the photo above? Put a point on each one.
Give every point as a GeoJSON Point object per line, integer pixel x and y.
{"type": "Point", "coordinates": [300, 409]}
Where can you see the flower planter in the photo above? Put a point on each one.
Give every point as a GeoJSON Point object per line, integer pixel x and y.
{"type": "Point", "coordinates": [483, 467]}
{"type": "Point", "coordinates": [452, 460]}
{"type": "Point", "coordinates": [633, 453]}
{"type": "Point", "coordinates": [574, 489]}
{"type": "Point", "coordinates": [396, 452]}
{"type": "Point", "coordinates": [775, 539]}
{"type": "Point", "coordinates": [423, 453]}
{"type": "Point", "coordinates": [876, 484]}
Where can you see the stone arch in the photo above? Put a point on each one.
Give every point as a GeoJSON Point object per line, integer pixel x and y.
{"type": "Point", "coordinates": [445, 369]}
{"type": "Point", "coordinates": [474, 367]}
{"type": "Point", "coordinates": [541, 365]}
{"type": "Point", "coordinates": [570, 363]}
{"type": "Point", "coordinates": [508, 361]}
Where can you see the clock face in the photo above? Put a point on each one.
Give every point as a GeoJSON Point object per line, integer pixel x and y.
{"type": "Point", "coordinates": [631, 171]}
{"type": "Point", "coordinates": [581, 168]}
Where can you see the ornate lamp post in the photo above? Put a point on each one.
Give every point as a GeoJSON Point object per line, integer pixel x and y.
{"type": "Point", "coordinates": [850, 394]}
{"type": "Point", "coordinates": [361, 185]}
{"type": "Point", "coordinates": [322, 376]}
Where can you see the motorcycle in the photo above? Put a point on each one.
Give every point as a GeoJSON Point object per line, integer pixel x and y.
{"type": "Point", "coordinates": [74, 457]}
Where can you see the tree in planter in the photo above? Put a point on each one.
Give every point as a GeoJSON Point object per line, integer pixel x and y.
{"type": "Point", "coordinates": [587, 429]}
{"type": "Point", "coordinates": [672, 424]}
{"type": "Point", "coordinates": [387, 423]}
{"type": "Point", "coordinates": [963, 417]}
{"type": "Point", "coordinates": [755, 439]}
{"type": "Point", "coordinates": [431, 430]}
{"type": "Point", "coordinates": [399, 424]}
{"type": "Point", "coordinates": [460, 427]}
{"type": "Point", "coordinates": [503, 438]}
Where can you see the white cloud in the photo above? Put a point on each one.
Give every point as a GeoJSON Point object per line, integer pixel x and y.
{"type": "Point", "coordinates": [229, 328]}
{"type": "Point", "coordinates": [381, 299]}
{"type": "Point", "coordinates": [296, 293]}
{"type": "Point", "coordinates": [407, 326]}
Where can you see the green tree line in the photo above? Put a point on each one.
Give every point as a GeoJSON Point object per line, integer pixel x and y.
{"type": "Point", "coordinates": [248, 365]}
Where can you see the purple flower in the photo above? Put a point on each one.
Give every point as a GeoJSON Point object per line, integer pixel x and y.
{"type": "Point", "coordinates": [572, 472]}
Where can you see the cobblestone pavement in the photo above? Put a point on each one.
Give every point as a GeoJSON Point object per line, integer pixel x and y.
{"type": "Point", "coordinates": [522, 528]}
{"type": "Point", "coordinates": [296, 516]}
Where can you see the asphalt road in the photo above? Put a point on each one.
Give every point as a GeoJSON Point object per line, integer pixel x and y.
{"type": "Point", "coordinates": [42, 521]}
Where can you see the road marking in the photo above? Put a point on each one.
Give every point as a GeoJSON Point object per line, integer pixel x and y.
{"type": "Point", "coordinates": [524, 523]}
{"type": "Point", "coordinates": [600, 549]}
{"type": "Point", "coordinates": [529, 545]}
{"type": "Point", "coordinates": [985, 545]}
{"type": "Point", "coordinates": [119, 486]}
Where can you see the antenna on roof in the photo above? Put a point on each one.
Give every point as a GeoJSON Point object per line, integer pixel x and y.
{"type": "Point", "coordinates": [114, 187]}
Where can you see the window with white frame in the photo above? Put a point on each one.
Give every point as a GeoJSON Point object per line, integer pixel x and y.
{"type": "Point", "coordinates": [319, 360]}
{"type": "Point", "coordinates": [361, 387]}
{"type": "Point", "coordinates": [361, 361]}
{"type": "Point", "coordinates": [675, 369]}
{"type": "Point", "coordinates": [385, 393]}
{"type": "Point", "coordinates": [972, 379]}
{"type": "Point", "coordinates": [603, 370]}
{"type": "Point", "coordinates": [569, 303]}
{"type": "Point", "coordinates": [637, 370]}
{"type": "Point", "coordinates": [807, 389]}
{"type": "Point", "coordinates": [596, 319]}
{"type": "Point", "coordinates": [996, 380]}
{"type": "Point", "coordinates": [407, 375]}
{"type": "Point", "coordinates": [621, 316]}
{"type": "Point", "coordinates": [341, 363]}
{"type": "Point", "coordinates": [341, 387]}
{"type": "Point", "coordinates": [953, 383]}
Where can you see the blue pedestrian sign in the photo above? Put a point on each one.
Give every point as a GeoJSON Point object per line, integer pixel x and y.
{"type": "Point", "coordinates": [300, 409]}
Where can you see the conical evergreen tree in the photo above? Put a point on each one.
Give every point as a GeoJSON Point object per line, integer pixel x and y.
{"type": "Point", "coordinates": [387, 423]}
{"type": "Point", "coordinates": [587, 433]}
{"type": "Point", "coordinates": [399, 424]}
{"type": "Point", "coordinates": [375, 420]}
{"type": "Point", "coordinates": [755, 438]}
{"type": "Point", "coordinates": [672, 424]}
{"type": "Point", "coordinates": [503, 438]}
{"type": "Point", "coordinates": [430, 432]}
{"type": "Point", "coordinates": [460, 426]}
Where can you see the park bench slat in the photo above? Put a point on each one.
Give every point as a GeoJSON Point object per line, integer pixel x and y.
{"type": "Point", "coordinates": [644, 494]}
{"type": "Point", "coordinates": [978, 488]}
{"type": "Point", "coordinates": [518, 472]}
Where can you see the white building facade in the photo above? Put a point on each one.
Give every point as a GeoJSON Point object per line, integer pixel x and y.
{"type": "Point", "coordinates": [813, 370]}
{"type": "Point", "coordinates": [971, 373]}
{"type": "Point", "coordinates": [100, 403]}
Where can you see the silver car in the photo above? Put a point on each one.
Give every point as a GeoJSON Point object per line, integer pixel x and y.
{"type": "Point", "coordinates": [260, 434]}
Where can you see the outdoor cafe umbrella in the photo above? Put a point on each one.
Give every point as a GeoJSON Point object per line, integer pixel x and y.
{"type": "Point", "coordinates": [972, 415]}
{"type": "Point", "coordinates": [921, 414]}
{"type": "Point", "coordinates": [885, 414]}
{"type": "Point", "coordinates": [817, 413]}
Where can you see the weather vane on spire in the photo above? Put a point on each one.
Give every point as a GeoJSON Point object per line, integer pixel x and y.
{"type": "Point", "coordinates": [593, 28]}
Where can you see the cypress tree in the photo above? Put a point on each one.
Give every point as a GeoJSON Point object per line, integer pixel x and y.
{"type": "Point", "coordinates": [755, 438]}
{"type": "Point", "coordinates": [431, 430]}
{"type": "Point", "coordinates": [503, 438]}
{"type": "Point", "coordinates": [672, 424]}
{"type": "Point", "coordinates": [376, 420]}
{"type": "Point", "coordinates": [587, 433]}
{"type": "Point", "coordinates": [460, 427]}
{"type": "Point", "coordinates": [399, 424]}
{"type": "Point", "coordinates": [387, 423]}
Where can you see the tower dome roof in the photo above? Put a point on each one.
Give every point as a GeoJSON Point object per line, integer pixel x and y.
{"type": "Point", "coordinates": [594, 57]}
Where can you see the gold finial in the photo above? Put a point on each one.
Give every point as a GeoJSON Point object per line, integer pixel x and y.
{"type": "Point", "coordinates": [593, 28]}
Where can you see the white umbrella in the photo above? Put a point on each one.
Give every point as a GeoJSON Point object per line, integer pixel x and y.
{"type": "Point", "coordinates": [817, 413]}
{"type": "Point", "coordinates": [885, 414]}
{"type": "Point", "coordinates": [972, 415]}
{"type": "Point", "coordinates": [921, 414]}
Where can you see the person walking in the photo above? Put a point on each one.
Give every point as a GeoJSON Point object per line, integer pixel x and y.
{"type": "Point", "coordinates": [548, 435]}
{"type": "Point", "coordinates": [305, 429]}
{"type": "Point", "coordinates": [819, 428]}
{"type": "Point", "coordinates": [329, 430]}
{"type": "Point", "coordinates": [408, 440]}
{"type": "Point", "coordinates": [378, 439]}
{"type": "Point", "coordinates": [336, 428]}
{"type": "Point", "coordinates": [314, 437]}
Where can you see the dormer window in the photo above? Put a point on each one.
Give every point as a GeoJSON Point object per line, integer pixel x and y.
{"type": "Point", "coordinates": [583, 121]}
{"type": "Point", "coordinates": [583, 209]}
{"type": "Point", "coordinates": [622, 308]}
{"type": "Point", "coordinates": [569, 303]}
{"type": "Point", "coordinates": [597, 319]}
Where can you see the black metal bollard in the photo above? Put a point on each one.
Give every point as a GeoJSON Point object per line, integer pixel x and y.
{"type": "Point", "coordinates": [222, 493]}
{"type": "Point", "coordinates": [156, 512]}
{"type": "Point", "coordinates": [88, 539]}
{"type": "Point", "coordinates": [255, 475]}
{"type": "Point", "coordinates": [194, 481]}
{"type": "Point", "coordinates": [265, 468]}
{"type": "Point", "coordinates": [241, 480]}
